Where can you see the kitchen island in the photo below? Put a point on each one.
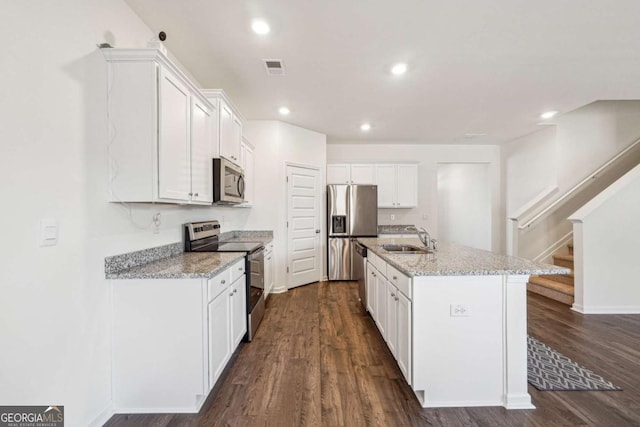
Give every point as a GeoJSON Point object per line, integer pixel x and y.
{"type": "Point", "coordinates": [455, 320]}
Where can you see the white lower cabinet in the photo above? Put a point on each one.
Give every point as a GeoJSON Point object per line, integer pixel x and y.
{"type": "Point", "coordinates": [403, 349]}
{"type": "Point", "coordinates": [269, 273]}
{"type": "Point", "coordinates": [381, 306]}
{"type": "Point", "coordinates": [371, 290]}
{"type": "Point", "coordinates": [172, 338]}
{"type": "Point", "coordinates": [391, 309]}
{"type": "Point", "coordinates": [392, 318]}
{"type": "Point", "coordinates": [219, 313]}
{"type": "Point", "coordinates": [238, 298]}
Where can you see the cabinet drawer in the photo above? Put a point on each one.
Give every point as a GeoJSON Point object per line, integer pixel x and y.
{"type": "Point", "coordinates": [402, 282]}
{"type": "Point", "coordinates": [218, 284]}
{"type": "Point", "coordinates": [380, 264]}
{"type": "Point", "coordinates": [237, 270]}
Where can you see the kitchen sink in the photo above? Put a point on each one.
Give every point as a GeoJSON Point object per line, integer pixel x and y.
{"type": "Point", "coordinates": [405, 249]}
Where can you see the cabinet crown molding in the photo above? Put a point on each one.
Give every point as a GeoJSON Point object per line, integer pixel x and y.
{"type": "Point", "coordinates": [220, 93]}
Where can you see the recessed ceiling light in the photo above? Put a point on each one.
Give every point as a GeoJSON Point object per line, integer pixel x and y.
{"type": "Point", "coordinates": [399, 69]}
{"type": "Point", "coordinates": [284, 111]}
{"type": "Point", "coordinates": [548, 115]}
{"type": "Point", "coordinates": [260, 27]}
{"type": "Point", "coordinates": [365, 127]}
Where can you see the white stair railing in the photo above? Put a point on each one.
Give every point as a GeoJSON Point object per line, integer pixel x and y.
{"type": "Point", "coordinates": [517, 224]}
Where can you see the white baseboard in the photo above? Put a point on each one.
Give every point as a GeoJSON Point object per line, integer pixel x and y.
{"type": "Point", "coordinates": [546, 255]}
{"type": "Point", "coordinates": [102, 418]}
{"type": "Point", "coordinates": [152, 410]}
{"type": "Point", "coordinates": [278, 290]}
{"type": "Point", "coordinates": [606, 309]}
{"type": "Point", "coordinates": [519, 401]}
{"type": "Point", "coordinates": [325, 279]}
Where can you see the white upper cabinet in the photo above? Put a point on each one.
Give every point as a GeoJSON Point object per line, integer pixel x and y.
{"type": "Point", "coordinates": [407, 186]}
{"type": "Point", "coordinates": [363, 174]}
{"type": "Point", "coordinates": [397, 185]}
{"type": "Point", "coordinates": [203, 129]}
{"type": "Point", "coordinates": [230, 126]}
{"type": "Point", "coordinates": [161, 131]}
{"type": "Point", "coordinates": [386, 181]}
{"type": "Point", "coordinates": [351, 174]}
{"type": "Point", "coordinates": [173, 139]}
{"type": "Point", "coordinates": [248, 166]}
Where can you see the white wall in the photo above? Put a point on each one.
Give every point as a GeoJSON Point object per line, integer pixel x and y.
{"type": "Point", "coordinates": [54, 301]}
{"type": "Point", "coordinates": [606, 258]}
{"type": "Point", "coordinates": [428, 158]}
{"type": "Point", "coordinates": [464, 188]}
{"type": "Point", "coordinates": [563, 155]}
{"type": "Point", "coordinates": [276, 144]}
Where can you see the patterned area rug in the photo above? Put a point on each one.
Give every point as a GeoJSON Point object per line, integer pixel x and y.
{"type": "Point", "coordinates": [550, 370]}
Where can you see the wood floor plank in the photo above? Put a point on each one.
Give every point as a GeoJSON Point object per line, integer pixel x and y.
{"type": "Point", "coordinates": [318, 360]}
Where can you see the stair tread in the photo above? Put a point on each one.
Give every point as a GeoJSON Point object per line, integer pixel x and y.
{"type": "Point", "coordinates": [565, 257]}
{"type": "Point", "coordinates": [550, 283]}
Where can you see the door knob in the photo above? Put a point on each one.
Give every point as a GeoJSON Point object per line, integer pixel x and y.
{"type": "Point", "coordinates": [317, 231]}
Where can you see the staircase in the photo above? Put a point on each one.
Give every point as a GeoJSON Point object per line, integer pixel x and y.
{"type": "Point", "coordinates": [558, 287]}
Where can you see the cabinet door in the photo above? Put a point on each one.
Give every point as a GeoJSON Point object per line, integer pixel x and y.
{"type": "Point", "coordinates": [236, 139]}
{"type": "Point", "coordinates": [219, 336]}
{"type": "Point", "coordinates": [381, 306]}
{"type": "Point", "coordinates": [363, 174]}
{"type": "Point", "coordinates": [371, 290]}
{"type": "Point", "coordinates": [338, 174]}
{"type": "Point", "coordinates": [268, 273]}
{"type": "Point", "coordinates": [201, 152]}
{"type": "Point", "coordinates": [403, 348]}
{"type": "Point", "coordinates": [407, 186]}
{"type": "Point", "coordinates": [392, 318]}
{"type": "Point", "coordinates": [238, 298]}
{"type": "Point", "coordinates": [249, 174]}
{"type": "Point", "coordinates": [227, 149]}
{"type": "Point", "coordinates": [174, 176]}
{"type": "Point", "coordinates": [386, 181]}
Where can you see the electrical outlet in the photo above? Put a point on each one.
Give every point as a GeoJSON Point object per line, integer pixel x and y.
{"type": "Point", "coordinates": [460, 310]}
{"type": "Point", "coordinates": [393, 217]}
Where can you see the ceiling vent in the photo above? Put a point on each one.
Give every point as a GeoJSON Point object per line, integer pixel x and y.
{"type": "Point", "coordinates": [275, 67]}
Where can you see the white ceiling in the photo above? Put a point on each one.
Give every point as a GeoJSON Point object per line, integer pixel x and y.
{"type": "Point", "coordinates": [475, 66]}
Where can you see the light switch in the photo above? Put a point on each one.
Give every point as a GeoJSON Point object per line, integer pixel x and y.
{"type": "Point", "coordinates": [48, 232]}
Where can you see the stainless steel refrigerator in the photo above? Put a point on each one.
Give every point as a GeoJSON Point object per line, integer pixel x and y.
{"type": "Point", "coordinates": [352, 212]}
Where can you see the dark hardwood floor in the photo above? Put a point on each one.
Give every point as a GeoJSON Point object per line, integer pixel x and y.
{"type": "Point", "coordinates": [318, 360]}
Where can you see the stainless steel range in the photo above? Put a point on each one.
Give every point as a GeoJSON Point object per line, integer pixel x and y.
{"type": "Point", "coordinates": [205, 237]}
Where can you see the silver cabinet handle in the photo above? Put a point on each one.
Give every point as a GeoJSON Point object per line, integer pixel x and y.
{"type": "Point", "coordinates": [395, 278]}
{"type": "Point", "coordinates": [392, 294]}
{"type": "Point", "coordinates": [196, 194]}
{"type": "Point", "coordinates": [269, 258]}
{"type": "Point", "coordinates": [222, 282]}
{"type": "Point", "coordinates": [239, 268]}
{"type": "Point", "coordinates": [397, 299]}
{"type": "Point", "coordinates": [235, 291]}
{"type": "Point", "coordinates": [190, 194]}
{"type": "Point", "coordinates": [374, 274]}
{"type": "Point", "coordinates": [231, 294]}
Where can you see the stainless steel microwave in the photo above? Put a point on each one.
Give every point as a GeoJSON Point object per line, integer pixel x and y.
{"type": "Point", "coordinates": [228, 183]}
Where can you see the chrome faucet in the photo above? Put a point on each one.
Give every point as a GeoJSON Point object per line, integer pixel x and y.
{"type": "Point", "coordinates": [425, 238]}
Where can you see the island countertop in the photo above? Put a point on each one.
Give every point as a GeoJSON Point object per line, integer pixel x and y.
{"type": "Point", "coordinates": [455, 260]}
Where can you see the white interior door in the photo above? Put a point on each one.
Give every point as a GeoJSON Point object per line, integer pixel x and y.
{"type": "Point", "coordinates": [464, 204]}
{"type": "Point", "coordinates": [304, 259]}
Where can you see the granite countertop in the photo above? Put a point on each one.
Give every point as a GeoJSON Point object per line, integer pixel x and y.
{"type": "Point", "coordinates": [188, 265]}
{"type": "Point", "coordinates": [170, 262]}
{"type": "Point", "coordinates": [397, 229]}
{"type": "Point", "coordinates": [247, 236]}
{"type": "Point", "coordinates": [455, 260]}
